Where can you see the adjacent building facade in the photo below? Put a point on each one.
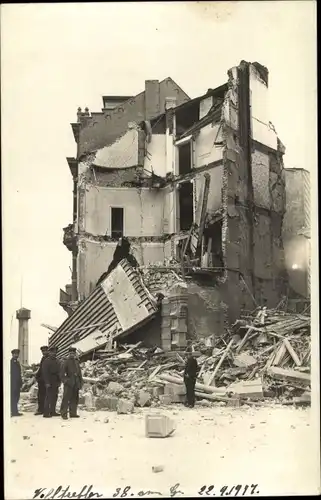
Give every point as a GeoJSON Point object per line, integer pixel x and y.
{"type": "Point", "coordinates": [296, 230]}
{"type": "Point", "coordinates": [196, 181]}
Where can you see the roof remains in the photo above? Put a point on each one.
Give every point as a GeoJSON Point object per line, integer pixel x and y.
{"type": "Point", "coordinates": [119, 305]}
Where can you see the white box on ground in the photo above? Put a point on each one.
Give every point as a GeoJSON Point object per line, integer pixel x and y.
{"type": "Point", "coordinates": [159, 426]}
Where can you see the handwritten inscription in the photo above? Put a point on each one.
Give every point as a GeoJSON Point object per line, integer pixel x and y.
{"type": "Point", "coordinates": [64, 492]}
{"type": "Point", "coordinates": [127, 492]}
{"type": "Point", "coordinates": [239, 489]}
{"type": "Point", "coordinates": [88, 493]}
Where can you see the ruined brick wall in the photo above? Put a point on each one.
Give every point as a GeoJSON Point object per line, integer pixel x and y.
{"type": "Point", "coordinates": [102, 129]}
{"type": "Point", "coordinates": [123, 153]}
{"type": "Point", "coordinates": [205, 311]}
{"type": "Point", "coordinates": [254, 205]}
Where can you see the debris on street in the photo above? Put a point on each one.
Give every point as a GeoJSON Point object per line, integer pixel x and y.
{"type": "Point", "coordinates": [264, 357]}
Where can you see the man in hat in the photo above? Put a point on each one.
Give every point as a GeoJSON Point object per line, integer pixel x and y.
{"type": "Point", "coordinates": [15, 382]}
{"type": "Point", "coordinates": [72, 380]}
{"type": "Point", "coordinates": [190, 375]}
{"type": "Point", "coordinates": [51, 377]}
{"type": "Point", "coordinates": [41, 382]}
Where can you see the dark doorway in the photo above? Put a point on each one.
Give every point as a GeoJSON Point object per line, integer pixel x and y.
{"type": "Point", "coordinates": [186, 212]}
{"type": "Point", "coordinates": [117, 222]}
{"type": "Point", "coordinates": [213, 245]}
{"type": "Point", "coordinates": [184, 159]}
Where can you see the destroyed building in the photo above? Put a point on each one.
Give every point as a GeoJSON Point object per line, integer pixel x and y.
{"type": "Point", "coordinates": [196, 186]}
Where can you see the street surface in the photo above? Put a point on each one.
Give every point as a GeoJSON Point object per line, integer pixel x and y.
{"type": "Point", "coordinates": [272, 447]}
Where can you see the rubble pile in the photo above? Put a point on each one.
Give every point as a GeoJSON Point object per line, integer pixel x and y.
{"type": "Point", "coordinates": [29, 377]}
{"type": "Point", "coordinates": [265, 357]}
{"type": "Point", "coordinates": [158, 278]}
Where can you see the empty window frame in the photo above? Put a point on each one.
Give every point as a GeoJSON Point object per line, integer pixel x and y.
{"type": "Point", "coordinates": [117, 222]}
{"type": "Point", "coordinates": [184, 158]}
{"type": "Point", "coordinates": [186, 206]}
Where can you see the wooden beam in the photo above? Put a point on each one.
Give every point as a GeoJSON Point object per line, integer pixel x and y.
{"type": "Point", "coordinates": [203, 210]}
{"type": "Point", "coordinates": [245, 339]}
{"type": "Point", "coordinates": [220, 362]}
{"type": "Point", "coordinates": [292, 352]}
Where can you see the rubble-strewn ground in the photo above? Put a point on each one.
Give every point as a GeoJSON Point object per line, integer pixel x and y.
{"type": "Point", "coordinates": [272, 447]}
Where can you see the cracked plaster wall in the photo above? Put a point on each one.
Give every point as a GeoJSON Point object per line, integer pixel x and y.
{"type": "Point", "coordinates": [205, 150]}
{"type": "Point", "coordinates": [155, 159]}
{"type": "Point", "coordinates": [262, 128]}
{"type": "Point", "coordinates": [143, 210]}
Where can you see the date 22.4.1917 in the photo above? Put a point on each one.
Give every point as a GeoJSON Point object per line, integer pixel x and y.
{"type": "Point", "coordinates": [239, 489]}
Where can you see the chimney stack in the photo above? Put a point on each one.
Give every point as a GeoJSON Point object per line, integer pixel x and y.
{"type": "Point", "coordinates": [23, 315]}
{"type": "Point", "coordinates": [152, 99]}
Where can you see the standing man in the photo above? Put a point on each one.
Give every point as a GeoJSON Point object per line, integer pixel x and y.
{"type": "Point", "coordinates": [72, 380]}
{"type": "Point", "coordinates": [41, 382]}
{"type": "Point", "coordinates": [190, 375]}
{"type": "Point", "coordinates": [15, 382]}
{"type": "Point", "coordinates": [51, 377]}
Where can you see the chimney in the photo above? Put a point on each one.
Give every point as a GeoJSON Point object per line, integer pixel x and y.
{"type": "Point", "coordinates": [152, 99]}
{"type": "Point", "coordinates": [23, 315]}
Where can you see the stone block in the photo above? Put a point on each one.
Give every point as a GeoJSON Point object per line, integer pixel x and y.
{"type": "Point", "coordinates": [165, 399]}
{"type": "Point", "coordinates": [125, 407]}
{"type": "Point", "coordinates": [114, 388]}
{"type": "Point", "coordinates": [166, 322]}
{"type": "Point", "coordinates": [143, 398]}
{"type": "Point", "coordinates": [158, 426]}
{"type": "Point", "coordinates": [166, 335]}
{"type": "Point", "coordinates": [82, 399]}
{"type": "Point", "coordinates": [106, 402]}
{"type": "Point", "coordinates": [178, 398]}
{"type": "Point", "coordinates": [252, 389]}
{"type": "Point", "coordinates": [89, 400]}
{"type": "Point", "coordinates": [166, 345]}
{"type": "Point", "coordinates": [157, 391]}
{"type": "Point", "coordinates": [175, 389]}
{"type": "Point", "coordinates": [233, 402]}
{"type": "Point", "coordinates": [179, 339]}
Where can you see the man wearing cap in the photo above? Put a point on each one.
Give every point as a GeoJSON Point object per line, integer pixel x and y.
{"type": "Point", "coordinates": [190, 375]}
{"type": "Point", "coordinates": [41, 382]}
{"type": "Point", "coordinates": [51, 377]}
{"type": "Point", "coordinates": [15, 382]}
{"type": "Point", "coordinates": [72, 380]}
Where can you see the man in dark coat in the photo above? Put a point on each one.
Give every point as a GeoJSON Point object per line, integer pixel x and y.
{"type": "Point", "coordinates": [15, 382]}
{"type": "Point", "coordinates": [190, 375]}
{"type": "Point", "coordinates": [51, 377]}
{"type": "Point", "coordinates": [72, 380]}
{"type": "Point", "coordinates": [41, 382]}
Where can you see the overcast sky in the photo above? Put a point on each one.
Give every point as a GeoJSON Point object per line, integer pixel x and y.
{"type": "Point", "coordinates": [56, 57]}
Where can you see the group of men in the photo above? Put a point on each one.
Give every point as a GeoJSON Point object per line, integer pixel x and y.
{"type": "Point", "coordinates": [50, 375]}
